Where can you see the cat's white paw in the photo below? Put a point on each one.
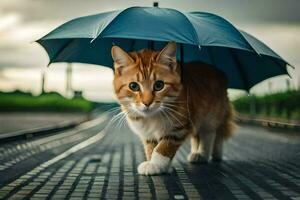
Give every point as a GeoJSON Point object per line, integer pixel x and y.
{"type": "Point", "coordinates": [197, 158]}
{"type": "Point", "coordinates": [157, 165]}
{"type": "Point", "coordinates": [149, 168]}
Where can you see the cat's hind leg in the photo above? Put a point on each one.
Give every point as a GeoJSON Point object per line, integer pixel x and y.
{"type": "Point", "coordinates": [224, 131]}
{"type": "Point", "coordinates": [205, 148]}
{"type": "Point", "coordinates": [195, 142]}
{"type": "Point", "coordinates": [217, 154]}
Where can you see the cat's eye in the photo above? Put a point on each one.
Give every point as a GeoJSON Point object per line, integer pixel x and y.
{"type": "Point", "coordinates": [134, 86]}
{"type": "Point", "coordinates": [158, 85]}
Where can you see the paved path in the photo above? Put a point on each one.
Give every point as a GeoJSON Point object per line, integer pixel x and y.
{"type": "Point", "coordinates": [22, 121]}
{"type": "Point", "coordinates": [92, 163]}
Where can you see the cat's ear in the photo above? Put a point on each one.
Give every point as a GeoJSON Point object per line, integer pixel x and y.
{"type": "Point", "coordinates": [120, 57]}
{"type": "Point", "coordinates": [167, 56]}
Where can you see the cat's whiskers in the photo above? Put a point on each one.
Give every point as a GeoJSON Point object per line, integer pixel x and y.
{"type": "Point", "coordinates": [174, 101]}
{"type": "Point", "coordinates": [167, 111]}
{"type": "Point", "coordinates": [114, 119]}
{"type": "Point", "coordinates": [112, 111]}
{"type": "Point", "coordinates": [165, 115]}
{"type": "Point", "coordinates": [175, 118]}
{"type": "Point", "coordinates": [115, 112]}
{"type": "Point", "coordinates": [123, 120]}
{"type": "Point", "coordinates": [173, 105]}
{"type": "Point", "coordinates": [118, 123]}
{"type": "Point", "coordinates": [176, 112]}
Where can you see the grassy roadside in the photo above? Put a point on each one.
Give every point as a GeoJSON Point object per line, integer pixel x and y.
{"type": "Point", "coordinates": [52, 102]}
{"type": "Point", "coordinates": [281, 105]}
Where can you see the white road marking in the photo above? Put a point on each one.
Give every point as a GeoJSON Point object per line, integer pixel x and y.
{"type": "Point", "coordinates": [75, 148]}
{"type": "Point", "coordinates": [79, 128]}
{"type": "Point", "coordinates": [83, 144]}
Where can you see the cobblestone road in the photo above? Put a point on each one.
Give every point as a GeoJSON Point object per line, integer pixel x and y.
{"type": "Point", "coordinates": [91, 162]}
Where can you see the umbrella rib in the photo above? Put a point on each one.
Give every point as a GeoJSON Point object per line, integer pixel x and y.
{"type": "Point", "coordinates": [193, 28]}
{"type": "Point", "coordinates": [210, 56]}
{"type": "Point", "coordinates": [60, 50]}
{"type": "Point", "coordinates": [241, 70]}
{"type": "Point", "coordinates": [277, 63]}
{"type": "Point", "coordinates": [248, 42]}
{"type": "Point", "coordinates": [102, 28]}
{"type": "Point", "coordinates": [132, 45]}
{"type": "Point", "coordinates": [99, 32]}
{"type": "Point", "coordinates": [151, 45]}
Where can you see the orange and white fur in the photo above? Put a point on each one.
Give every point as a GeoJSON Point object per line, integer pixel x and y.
{"type": "Point", "coordinates": [164, 105]}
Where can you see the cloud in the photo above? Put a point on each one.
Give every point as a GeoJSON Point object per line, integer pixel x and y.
{"type": "Point", "coordinates": [267, 10]}
{"type": "Point", "coordinates": [17, 46]}
{"type": "Point", "coordinates": [8, 20]}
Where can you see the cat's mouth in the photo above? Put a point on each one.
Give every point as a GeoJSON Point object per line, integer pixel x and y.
{"type": "Point", "coordinates": [146, 111]}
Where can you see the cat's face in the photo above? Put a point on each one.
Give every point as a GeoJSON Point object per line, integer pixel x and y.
{"type": "Point", "coordinates": [146, 81]}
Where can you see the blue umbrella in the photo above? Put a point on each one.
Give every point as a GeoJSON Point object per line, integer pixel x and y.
{"type": "Point", "coordinates": [201, 36]}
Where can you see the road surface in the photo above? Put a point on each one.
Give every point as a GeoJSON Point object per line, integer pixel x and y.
{"type": "Point", "coordinates": [93, 162]}
{"type": "Point", "coordinates": [22, 121]}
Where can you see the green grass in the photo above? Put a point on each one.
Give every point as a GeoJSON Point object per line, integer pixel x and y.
{"type": "Point", "coordinates": [282, 105]}
{"type": "Point", "coordinates": [20, 101]}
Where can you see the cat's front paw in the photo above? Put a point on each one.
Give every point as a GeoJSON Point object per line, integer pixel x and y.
{"type": "Point", "coordinates": [197, 158]}
{"type": "Point", "coordinates": [150, 168]}
{"type": "Point", "coordinates": [158, 164]}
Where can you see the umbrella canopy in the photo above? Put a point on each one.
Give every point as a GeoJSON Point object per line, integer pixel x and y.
{"type": "Point", "coordinates": [201, 36]}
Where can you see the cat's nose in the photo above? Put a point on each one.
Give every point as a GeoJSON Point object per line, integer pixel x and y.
{"type": "Point", "coordinates": [147, 98]}
{"type": "Point", "coordinates": [147, 104]}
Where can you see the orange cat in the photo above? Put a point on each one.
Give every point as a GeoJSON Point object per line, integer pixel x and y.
{"type": "Point", "coordinates": [164, 107]}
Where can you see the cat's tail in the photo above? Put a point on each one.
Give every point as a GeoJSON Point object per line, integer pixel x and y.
{"type": "Point", "coordinates": [226, 129]}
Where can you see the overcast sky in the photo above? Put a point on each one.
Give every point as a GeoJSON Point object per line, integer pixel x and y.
{"type": "Point", "coordinates": [275, 22]}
